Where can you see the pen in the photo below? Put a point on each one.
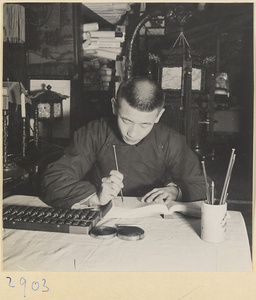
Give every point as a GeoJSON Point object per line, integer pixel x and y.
{"type": "Point", "coordinates": [212, 192]}
{"type": "Point", "coordinates": [206, 183]}
{"type": "Point", "coordinates": [114, 149]}
{"type": "Point", "coordinates": [228, 175]}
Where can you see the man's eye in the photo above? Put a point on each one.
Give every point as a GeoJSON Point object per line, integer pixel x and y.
{"type": "Point", "coordinates": [126, 121]}
{"type": "Point", "coordinates": [144, 125]}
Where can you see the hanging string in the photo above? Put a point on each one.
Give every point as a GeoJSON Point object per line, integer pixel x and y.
{"type": "Point", "coordinates": [181, 39]}
{"type": "Point", "coordinates": [186, 68]}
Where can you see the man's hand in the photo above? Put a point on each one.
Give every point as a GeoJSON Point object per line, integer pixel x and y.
{"type": "Point", "coordinates": [161, 195]}
{"type": "Point", "coordinates": [110, 187]}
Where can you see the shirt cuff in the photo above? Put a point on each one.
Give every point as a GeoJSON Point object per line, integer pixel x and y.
{"type": "Point", "coordinates": [179, 196]}
{"type": "Point", "coordinates": [84, 203]}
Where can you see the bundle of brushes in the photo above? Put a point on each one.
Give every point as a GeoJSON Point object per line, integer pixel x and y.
{"type": "Point", "coordinates": [210, 198]}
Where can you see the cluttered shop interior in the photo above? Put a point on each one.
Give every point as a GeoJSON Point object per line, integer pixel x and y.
{"type": "Point", "coordinates": [63, 64]}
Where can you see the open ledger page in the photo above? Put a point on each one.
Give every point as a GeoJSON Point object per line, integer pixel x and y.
{"type": "Point", "coordinates": [134, 208]}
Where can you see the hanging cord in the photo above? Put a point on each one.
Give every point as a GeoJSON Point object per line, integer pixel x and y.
{"type": "Point", "coordinates": [186, 62]}
{"type": "Point", "coordinates": [181, 38]}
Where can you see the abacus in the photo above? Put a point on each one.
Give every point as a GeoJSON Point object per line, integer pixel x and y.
{"type": "Point", "coordinates": [50, 219]}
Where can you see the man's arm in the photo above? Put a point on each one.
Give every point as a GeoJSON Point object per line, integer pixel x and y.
{"type": "Point", "coordinates": [186, 171]}
{"type": "Point", "coordinates": [63, 183]}
{"type": "Point", "coordinates": [184, 176]}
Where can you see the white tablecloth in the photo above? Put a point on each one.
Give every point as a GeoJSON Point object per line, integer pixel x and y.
{"type": "Point", "coordinates": [169, 245]}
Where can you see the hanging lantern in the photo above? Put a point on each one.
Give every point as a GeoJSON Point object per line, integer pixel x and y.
{"type": "Point", "coordinates": [222, 84]}
{"type": "Point", "coordinates": [48, 103]}
{"type": "Point", "coordinates": [47, 108]}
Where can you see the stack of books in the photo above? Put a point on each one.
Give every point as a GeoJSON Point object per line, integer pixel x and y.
{"type": "Point", "coordinates": [103, 43]}
{"type": "Point", "coordinates": [111, 12]}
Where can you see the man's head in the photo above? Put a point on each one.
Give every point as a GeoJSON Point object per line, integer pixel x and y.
{"type": "Point", "coordinates": [139, 105]}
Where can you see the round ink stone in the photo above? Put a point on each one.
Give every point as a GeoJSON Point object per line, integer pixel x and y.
{"type": "Point", "coordinates": [103, 232]}
{"type": "Point", "coordinates": [130, 233]}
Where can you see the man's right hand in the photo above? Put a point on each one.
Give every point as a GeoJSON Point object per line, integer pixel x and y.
{"type": "Point", "coordinates": [110, 188]}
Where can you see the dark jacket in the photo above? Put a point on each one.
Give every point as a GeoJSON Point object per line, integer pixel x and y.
{"type": "Point", "coordinates": [160, 158]}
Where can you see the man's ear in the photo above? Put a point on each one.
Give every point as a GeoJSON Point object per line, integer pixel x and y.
{"type": "Point", "coordinates": [114, 106]}
{"type": "Point", "coordinates": [159, 115]}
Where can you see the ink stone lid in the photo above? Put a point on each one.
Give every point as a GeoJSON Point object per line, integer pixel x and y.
{"type": "Point", "coordinates": [103, 232]}
{"type": "Point", "coordinates": [130, 233]}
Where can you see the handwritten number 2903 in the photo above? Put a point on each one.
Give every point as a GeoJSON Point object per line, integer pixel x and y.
{"type": "Point", "coordinates": [35, 286]}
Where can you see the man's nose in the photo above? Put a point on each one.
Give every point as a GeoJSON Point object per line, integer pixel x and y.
{"type": "Point", "coordinates": [132, 131]}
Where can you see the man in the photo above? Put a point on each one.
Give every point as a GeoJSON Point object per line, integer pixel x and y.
{"type": "Point", "coordinates": [153, 160]}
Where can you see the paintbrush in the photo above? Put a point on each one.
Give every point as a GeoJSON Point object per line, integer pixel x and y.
{"type": "Point", "coordinates": [114, 149]}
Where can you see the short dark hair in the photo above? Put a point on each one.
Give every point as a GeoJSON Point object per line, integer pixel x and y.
{"type": "Point", "coordinates": [141, 93]}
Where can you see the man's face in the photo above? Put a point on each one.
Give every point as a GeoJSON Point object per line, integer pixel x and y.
{"type": "Point", "coordinates": [133, 124]}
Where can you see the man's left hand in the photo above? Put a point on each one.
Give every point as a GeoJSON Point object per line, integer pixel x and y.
{"type": "Point", "coordinates": [161, 195]}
